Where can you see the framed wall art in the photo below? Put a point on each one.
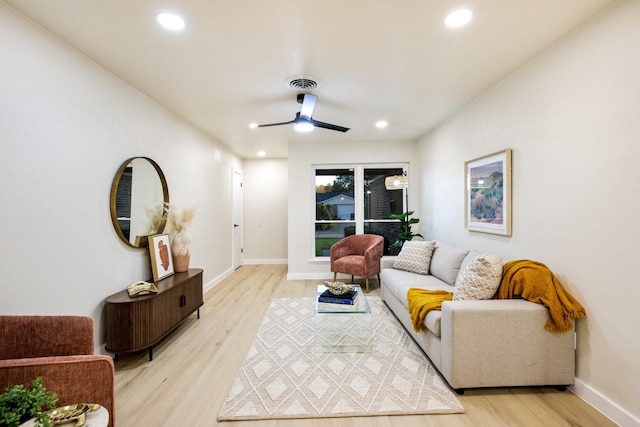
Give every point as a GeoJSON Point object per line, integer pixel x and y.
{"type": "Point", "coordinates": [488, 193]}
{"type": "Point", "coordinates": [160, 252]}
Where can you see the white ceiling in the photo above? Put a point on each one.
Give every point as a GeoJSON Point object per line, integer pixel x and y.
{"type": "Point", "coordinates": [374, 59]}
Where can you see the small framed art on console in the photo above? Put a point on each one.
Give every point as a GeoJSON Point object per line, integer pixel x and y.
{"type": "Point", "coordinates": [160, 252]}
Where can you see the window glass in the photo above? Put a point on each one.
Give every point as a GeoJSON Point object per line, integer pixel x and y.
{"type": "Point", "coordinates": [335, 208]}
{"type": "Point", "coordinates": [379, 202]}
{"type": "Point", "coordinates": [334, 194]}
{"type": "Point", "coordinates": [355, 201]}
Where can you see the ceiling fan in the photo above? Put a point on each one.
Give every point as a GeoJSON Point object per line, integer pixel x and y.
{"type": "Point", "coordinates": [303, 121]}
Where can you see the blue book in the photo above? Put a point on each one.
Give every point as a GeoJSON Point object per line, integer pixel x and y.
{"type": "Point", "coordinates": [328, 297]}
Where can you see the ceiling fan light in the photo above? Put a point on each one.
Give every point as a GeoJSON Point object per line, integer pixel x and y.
{"type": "Point", "coordinates": [303, 126]}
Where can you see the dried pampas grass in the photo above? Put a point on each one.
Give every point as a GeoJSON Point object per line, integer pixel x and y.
{"type": "Point", "coordinates": [179, 220]}
{"type": "Point", "coordinates": [156, 219]}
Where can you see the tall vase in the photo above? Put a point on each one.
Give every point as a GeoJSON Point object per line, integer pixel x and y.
{"type": "Point", "coordinates": [181, 262]}
{"type": "Point", "coordinates": [181, 251]}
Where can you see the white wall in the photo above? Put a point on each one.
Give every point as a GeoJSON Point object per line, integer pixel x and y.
{"type": "Point", "coordinates": [571, 117]}
{"type": "Point", "coordinates": [265, 211]}
{"type": "Point", "coordinates": [67, 125]}
{"type": "Point", "coordinates": [302, 158]}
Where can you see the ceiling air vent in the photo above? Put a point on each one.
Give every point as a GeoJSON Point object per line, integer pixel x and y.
{"type": "Point", "coordinates": [302, 83]}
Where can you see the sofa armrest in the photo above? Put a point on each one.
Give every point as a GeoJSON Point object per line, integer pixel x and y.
{"type": "Point", "coordinates": [387, 262]}
{"type": "Point", "coordinates": [493, 343]}
{"type": "Point", "coordinates": [75, 379]}
{"type": "Point", "coordinates": [40, 336]}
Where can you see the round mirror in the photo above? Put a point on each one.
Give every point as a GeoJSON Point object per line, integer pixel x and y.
{"type": "Point", "coordinates": [138, 195]}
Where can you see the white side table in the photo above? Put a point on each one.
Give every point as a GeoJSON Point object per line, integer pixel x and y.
{"type": "Point", "coordinates": [99, 418]}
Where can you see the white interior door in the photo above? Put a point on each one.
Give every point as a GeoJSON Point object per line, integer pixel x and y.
{"type": "Point", "coordinates": [238, 250]}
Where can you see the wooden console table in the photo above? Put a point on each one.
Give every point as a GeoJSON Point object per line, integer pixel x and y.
{"type": "Point", "coordinates": [138, 323]}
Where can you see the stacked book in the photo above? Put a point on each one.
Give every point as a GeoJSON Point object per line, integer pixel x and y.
{"type": "Point", "coordinates": [347, 301]}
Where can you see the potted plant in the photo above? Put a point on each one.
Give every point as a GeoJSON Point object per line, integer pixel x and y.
{"type": "Point", "coordinates": [19, 404]}
{"type": "Point", "coordinates": [403, 229]}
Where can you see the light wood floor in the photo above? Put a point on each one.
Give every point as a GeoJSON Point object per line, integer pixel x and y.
{"type": "Point", "coordinates": [193, 369]}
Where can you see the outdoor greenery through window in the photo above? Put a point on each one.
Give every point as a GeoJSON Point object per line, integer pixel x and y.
{"type": "Point", "coordinates": [354, 200]}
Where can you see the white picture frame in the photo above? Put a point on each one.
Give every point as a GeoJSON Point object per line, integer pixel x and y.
{"type": "Point", "coordinates": [488, 193]}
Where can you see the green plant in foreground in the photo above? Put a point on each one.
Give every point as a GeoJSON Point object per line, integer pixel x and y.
{"type": "Point", "coordinates": [19, 404]}
{"type": "Point", "coordinates": [403, 229]}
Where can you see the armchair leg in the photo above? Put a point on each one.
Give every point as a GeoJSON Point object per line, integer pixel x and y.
{"type": "Point", "coordinates": [334, 276]}
{"type": "Point", "coordinates": [366, 281]}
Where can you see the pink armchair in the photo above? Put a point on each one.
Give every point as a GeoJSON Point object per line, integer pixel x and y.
{"type": "Point", "coordinates": [357, 255]}
{"type": "Point", "coordinates": [60, 350]}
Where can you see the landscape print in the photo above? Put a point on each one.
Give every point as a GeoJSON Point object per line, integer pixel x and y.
{"type": "Point", "coordinates": [486, 193]}
{"type": "Point", "coordinates": [488, 190]}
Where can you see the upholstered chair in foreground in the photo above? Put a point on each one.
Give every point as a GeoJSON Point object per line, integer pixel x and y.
{"type": "Point", "coordinates": [60, 350]}
{"type": "Point", "coordinates": [357, 255]}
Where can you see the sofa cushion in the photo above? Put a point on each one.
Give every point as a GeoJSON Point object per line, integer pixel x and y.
{"type": "Point", "coordinates": [398, 283]}
{"type": "Point", "coordinates": [415, 256]}
{"type": "Point", "coordinates": [473, 254]}
{"type": "Point", "coordinates": [432, 322]}
{"type": "Point", "coordinates": [480, 279]}
{"type": "Point", "coordinates": [445, 262]}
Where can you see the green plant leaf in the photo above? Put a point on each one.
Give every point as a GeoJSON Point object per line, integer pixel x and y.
{"type": "Point", "coordinates": [19, 404]}
{"type": "Point", "coordinates": [403, 229]}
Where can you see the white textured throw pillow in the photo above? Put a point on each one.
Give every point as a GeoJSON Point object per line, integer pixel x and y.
{"type": "Point", "coordinates": [480, 279]}
{"type": "Point", "coordinates": [415, 256]}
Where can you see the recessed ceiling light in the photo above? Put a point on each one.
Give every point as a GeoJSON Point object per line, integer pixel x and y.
{"type": "Point", "coordinates": [170, 21]}
{"type": "Point", "coordinates": [261, 154]}
{"type": "Point", "coordinates": [253, 125]}
{"type": "Point", "coordinates": [458, 18]}
{"type": "Point", "coordinates": [381, 124]}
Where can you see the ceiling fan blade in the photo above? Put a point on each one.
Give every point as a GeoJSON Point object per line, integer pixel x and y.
{"type": "Point", "coordinates": [275, 124]}
{"type": "Point", "coordinates": [308, 103]}
{"type": "Point", "coordinates": [329, 126]}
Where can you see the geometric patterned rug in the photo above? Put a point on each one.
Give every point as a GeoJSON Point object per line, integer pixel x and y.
{"type": "Point", "coordinates": [282, 377]}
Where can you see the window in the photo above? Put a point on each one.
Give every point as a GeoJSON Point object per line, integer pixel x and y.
{"type": "Point", "coordinates": [123, 201]}
{"type": "Point", "coordinates": [354, 200]}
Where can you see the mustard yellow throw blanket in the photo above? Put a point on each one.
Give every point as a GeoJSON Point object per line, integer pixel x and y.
{"type": "Point", "coordinates": [421, 301]}
{"type": "Point", "coordinates": [534, 282]}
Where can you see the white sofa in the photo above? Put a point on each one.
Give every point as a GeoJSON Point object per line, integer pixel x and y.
{"type": "Point", "coordinates": [487, 343]}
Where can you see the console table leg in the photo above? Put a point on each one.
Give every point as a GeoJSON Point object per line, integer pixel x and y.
{"type": "Point", "coordinates": [150, 353]}
{"type": "Point", "coordinates": [198, 314]}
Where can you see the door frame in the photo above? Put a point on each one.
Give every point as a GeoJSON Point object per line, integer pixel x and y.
{"type": "Point", "coordinates": [237, 238]}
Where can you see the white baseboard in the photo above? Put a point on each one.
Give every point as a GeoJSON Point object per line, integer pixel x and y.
{"type": "Point", "coordinates": [310, 276]}
{"type": "Point", "coordinates": [266, 261]}
{"type": "Point", "coordinates": [600, 402]}
{"type": "Point", "coordinates": [216, 280]}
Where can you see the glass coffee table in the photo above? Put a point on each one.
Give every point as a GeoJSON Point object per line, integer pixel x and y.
{"type": "Point", "coordinates": [341, 328]}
